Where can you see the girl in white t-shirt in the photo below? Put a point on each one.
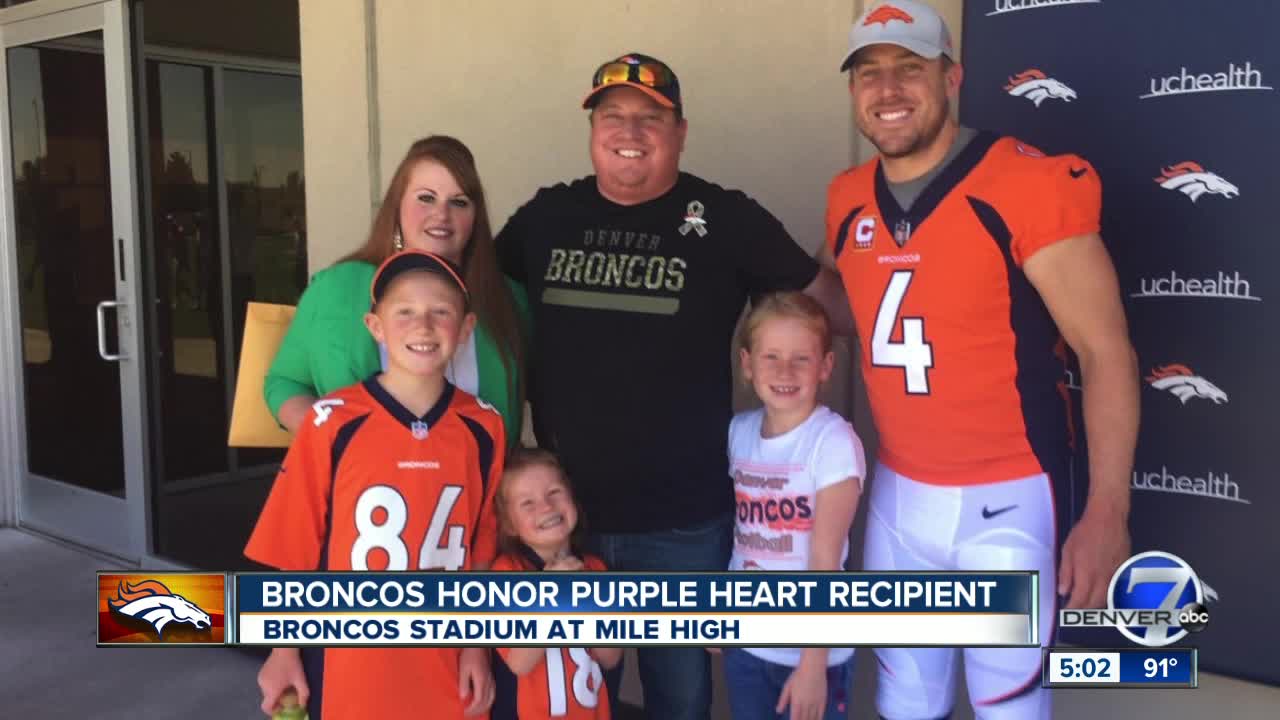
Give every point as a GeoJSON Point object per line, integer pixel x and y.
{"type": "Point", "coordinates": [797, 470]}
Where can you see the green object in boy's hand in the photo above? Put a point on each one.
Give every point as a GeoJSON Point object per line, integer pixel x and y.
{"type": "Point", "coordinates": [289, 709]}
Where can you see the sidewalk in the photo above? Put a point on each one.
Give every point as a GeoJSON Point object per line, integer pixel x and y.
{"type": "Point", "coordinates": [50, 668]}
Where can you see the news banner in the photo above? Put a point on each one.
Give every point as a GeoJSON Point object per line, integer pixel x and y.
{"type": "Point", "coordinates": [1154, 601]}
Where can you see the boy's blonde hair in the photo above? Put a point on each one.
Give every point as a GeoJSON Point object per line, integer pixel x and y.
{"type": "Point", "coordinates": [522, 458]}
{"type": "Point", "coordinates": [795, 305]}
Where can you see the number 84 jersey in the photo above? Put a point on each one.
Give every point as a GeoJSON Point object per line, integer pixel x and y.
{"type": "Point", "coordinates": [962, 361]}
{"type": "Point", "coordinates": [367, 485]}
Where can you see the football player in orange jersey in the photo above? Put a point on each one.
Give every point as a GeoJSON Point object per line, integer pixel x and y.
{"type": "Point", "coordinates": [967, 259]}
{"type": "Point", "coordinates": [395, 473]}
{"type": "Point", "coordinates": [538, 520]}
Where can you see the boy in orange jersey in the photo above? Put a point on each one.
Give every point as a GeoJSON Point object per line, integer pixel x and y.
{"type": "Point", "coordinates": [395, 473]}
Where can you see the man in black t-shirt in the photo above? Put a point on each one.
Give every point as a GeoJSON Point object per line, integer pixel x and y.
{"type": "Point", "coordinates": [636, 277]}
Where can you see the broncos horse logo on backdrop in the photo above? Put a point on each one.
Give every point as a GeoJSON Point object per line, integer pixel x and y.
{"type": "Point", "coordinates": [1192, 180]}
{"type": "Point", "coordinates": [1037, 87]}
{"type": "Point", "coordinates": [152, 602]}
{"type": "Point", "coordinates": [1185, 384]}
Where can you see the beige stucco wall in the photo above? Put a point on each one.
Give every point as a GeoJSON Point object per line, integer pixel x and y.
{"type": "Point", "coordinates": [768, 112]}
{"type": "Point", "coordinates": [336, 111]}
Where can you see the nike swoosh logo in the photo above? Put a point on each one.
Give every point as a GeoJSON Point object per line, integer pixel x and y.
{"type": "Point", "coordinates": [1077, 172]}
{"type": "Point", "coordinates": [987, 513]}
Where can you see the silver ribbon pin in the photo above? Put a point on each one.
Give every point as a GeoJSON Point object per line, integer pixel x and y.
{"type": "Point", "coordinates": [693, 220]}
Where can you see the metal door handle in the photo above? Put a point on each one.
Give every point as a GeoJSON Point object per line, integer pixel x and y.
{"type": "Point", "coordinates": [102, 330]}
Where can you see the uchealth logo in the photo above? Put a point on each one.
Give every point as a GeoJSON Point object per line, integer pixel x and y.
{"type": "Point", "coordinates": [1037, 87]}
{"type": "Point", "coordinates": [1008, 6]}
{"type": "Point", "coordinates": [1192, 180]}
{"type": "Point", "coordinates": [1181, 382]}
{"type": "Point", "coordinates": [1225, 286]}
{"type": "Point", "coordinates": [1211, 485]}
{"type": "Point", "coordinates": [1235, 77]}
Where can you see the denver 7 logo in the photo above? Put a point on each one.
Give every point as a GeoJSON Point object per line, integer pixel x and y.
{"type": "Point", "coordinates": [152, 602]}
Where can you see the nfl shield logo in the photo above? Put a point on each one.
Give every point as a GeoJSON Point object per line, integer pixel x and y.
{"type": "Point", "coordinates": [419, 429]}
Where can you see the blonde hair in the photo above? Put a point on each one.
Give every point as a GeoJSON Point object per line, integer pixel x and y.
{"type": "Point", "coordinates": [519, 459]}
{"type": "Point", "coordinates": [794, 305]}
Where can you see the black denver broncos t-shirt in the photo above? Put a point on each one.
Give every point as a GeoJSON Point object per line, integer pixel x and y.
{"type": "Point", "coordinates": [634, 309]}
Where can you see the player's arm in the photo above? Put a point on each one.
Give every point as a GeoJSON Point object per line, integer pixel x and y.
{"type": "Point", "coordinates": [828, 289]}
{"type": "Point", "coordinates": [1078, 284]}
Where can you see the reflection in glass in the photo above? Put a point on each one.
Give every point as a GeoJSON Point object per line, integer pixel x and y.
{"type": "Point", "coordinates": [266, 208]}
{"type": "Point", "coordinates": [207, 498]}
{"type": "Point", "coordinates": [187, 272]}
{"type": "Point", "coordinates": [66, 264]}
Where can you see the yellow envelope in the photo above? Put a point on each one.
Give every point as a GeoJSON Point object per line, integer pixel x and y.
{"type": "Point", "coordinates": [252, 424]}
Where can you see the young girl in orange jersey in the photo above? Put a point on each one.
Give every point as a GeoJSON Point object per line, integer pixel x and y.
{"type": "Point", "coordinates": [395, 473]}
{"type": "Point", "coordinates": [797, 469]}
{"type": "Point", "coordinates": [537, 517]}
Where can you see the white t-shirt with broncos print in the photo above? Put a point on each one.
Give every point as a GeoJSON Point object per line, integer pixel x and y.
{"type": "Point", "coordinates": [776, 482]}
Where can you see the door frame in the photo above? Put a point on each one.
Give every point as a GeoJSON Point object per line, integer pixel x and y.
{"type": "Point", "coordinates": [107, 524]}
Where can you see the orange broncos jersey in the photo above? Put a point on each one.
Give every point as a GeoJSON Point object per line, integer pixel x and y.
{"type": "Point", "coordinates": [366, 485]}
{"type": "Point", "coordinates": [962, 361]}
{"type": "Point", "coordinates": [569, 683]}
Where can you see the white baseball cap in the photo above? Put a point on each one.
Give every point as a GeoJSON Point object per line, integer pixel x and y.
{"type": "Point", "coordinates": [906, 23]}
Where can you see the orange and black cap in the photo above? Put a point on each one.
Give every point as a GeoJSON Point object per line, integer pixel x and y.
{"type": "Point", "coordinates": [642, 72]}
{"type": "Point", "coordinates": [407, 260]}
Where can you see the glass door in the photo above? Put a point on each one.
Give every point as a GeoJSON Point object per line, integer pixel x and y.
{"type": "Point", "coordinates": [71, 254]}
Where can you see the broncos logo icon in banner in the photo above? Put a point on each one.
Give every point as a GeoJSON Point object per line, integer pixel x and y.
{"type": "Point", "coordinates": [150, 608]}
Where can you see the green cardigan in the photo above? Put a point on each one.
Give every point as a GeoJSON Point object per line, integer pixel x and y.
{"type": "Point", "coordinates": [328, 346]}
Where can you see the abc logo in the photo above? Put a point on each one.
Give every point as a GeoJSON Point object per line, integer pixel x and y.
{"type": "Point", "coordinates": [1194, 617]}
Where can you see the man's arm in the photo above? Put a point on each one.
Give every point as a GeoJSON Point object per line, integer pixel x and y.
{"type": "Point", "coordinates": [1078, 284]}
{"type": "Point", "coordinates": [827, 288]}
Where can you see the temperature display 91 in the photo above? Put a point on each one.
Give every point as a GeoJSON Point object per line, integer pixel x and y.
{"type": "Point", "coordinates": [1124, 667]}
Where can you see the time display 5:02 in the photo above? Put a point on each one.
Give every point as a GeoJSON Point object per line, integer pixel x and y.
{"type": "Point", "coordinates": [1090, 667]}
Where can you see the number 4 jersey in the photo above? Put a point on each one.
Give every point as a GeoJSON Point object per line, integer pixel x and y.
{"type": "Point", "coordinates": [962, 362]}
{"type": "Point", "coordinates": [367, 485]}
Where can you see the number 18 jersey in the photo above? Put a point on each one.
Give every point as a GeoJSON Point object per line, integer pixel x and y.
{"type": "Point", "coordinates": [367, 485]}
{"type": "Point", "coordinates": [568, 683]}
{"type": "Point", "coordinates": [962, 362]}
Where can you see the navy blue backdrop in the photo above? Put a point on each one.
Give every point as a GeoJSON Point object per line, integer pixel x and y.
{"type": "Point", "coordinates": [1173, 102]}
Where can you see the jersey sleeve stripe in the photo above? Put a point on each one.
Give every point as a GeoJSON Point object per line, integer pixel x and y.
{"type": "Point", "coordinates": [484, 446]}
{"type": "Point", "coordinates": [1039, 368]}
{"type": "Point", "coordinates": [842, 234]}
{"type": "Point", "coordinates": [341, 440]}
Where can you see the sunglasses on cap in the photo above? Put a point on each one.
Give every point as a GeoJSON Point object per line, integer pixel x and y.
{"type": "Point", "coordinates": [648, 73]}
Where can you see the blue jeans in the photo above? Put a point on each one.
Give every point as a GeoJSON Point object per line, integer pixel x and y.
{"type": "Point", "coordinates": [676, 680]}
{"type": "Point", "coordinates": [755, 686]}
